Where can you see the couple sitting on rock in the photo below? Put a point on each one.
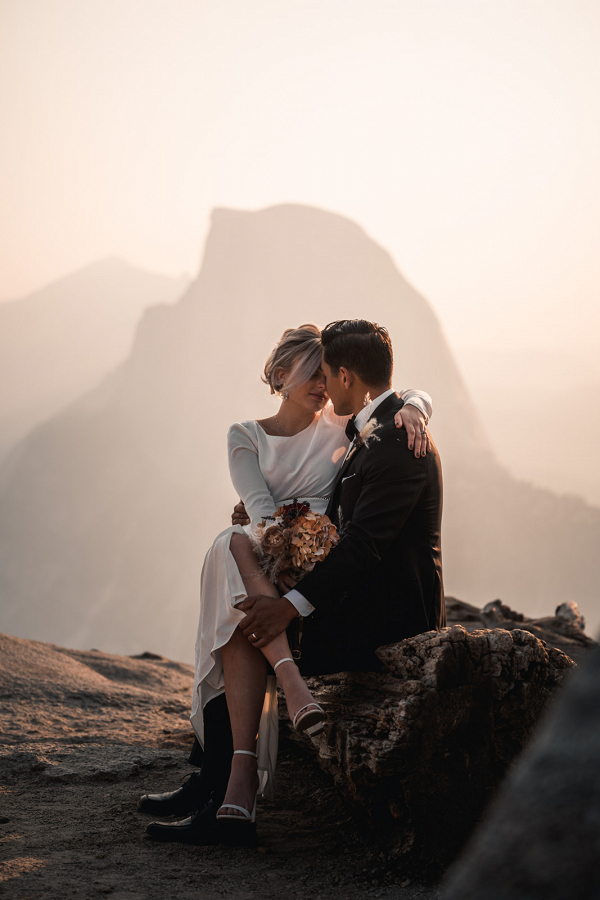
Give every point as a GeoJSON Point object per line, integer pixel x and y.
{"type": "Point", "coordinates": [340, 444]}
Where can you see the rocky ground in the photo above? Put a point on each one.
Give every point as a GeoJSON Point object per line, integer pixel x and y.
{"type": "Point", "coordinates": [83, 838]}
{"type": "Point", "coordinates": [84, 734]}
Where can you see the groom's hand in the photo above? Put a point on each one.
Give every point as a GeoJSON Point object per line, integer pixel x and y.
{"type": "Point", "coordinates": [286, 583]}
{"type": "Point", "coordinates": [414, 421]}
{"type": "Point", "coordinates": [239, 516]}
{"type": "Point", "coordinates": [266, 618]}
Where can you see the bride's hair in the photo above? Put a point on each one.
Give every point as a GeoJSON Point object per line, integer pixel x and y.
{"type": "Point", "coordinates": [299, 352]}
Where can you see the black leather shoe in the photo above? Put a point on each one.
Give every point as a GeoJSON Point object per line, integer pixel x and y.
{"type": "Point", "coordinates": [186, 799]}
{"type": "Point", "coordinates": [200, 828]}
{"type": "Point", "coordinates": [203, 829]}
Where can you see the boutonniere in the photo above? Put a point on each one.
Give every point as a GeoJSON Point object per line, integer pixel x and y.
{"type": "Point", "coordinates": [365, 436]}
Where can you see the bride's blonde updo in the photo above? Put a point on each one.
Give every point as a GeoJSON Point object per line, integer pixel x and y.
{"type": "Point", "coordinates": [299, 352]}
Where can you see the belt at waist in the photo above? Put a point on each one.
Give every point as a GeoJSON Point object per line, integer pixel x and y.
{"type": "Point", "coordinates": [301, 499]}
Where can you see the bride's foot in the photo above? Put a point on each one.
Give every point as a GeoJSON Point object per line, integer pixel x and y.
{"type": "Point", "coordinates": [241, 788]}
{"type": "Point", "coordinates": [304, 712]}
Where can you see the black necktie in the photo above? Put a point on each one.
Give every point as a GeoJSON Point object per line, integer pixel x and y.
{"type": "Point", "coordinates": [351, 429]}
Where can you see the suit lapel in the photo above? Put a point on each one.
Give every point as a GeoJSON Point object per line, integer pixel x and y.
{"type": "Point", "coordinates": [333, 503]}
{"type": "Point", "coordinates": [381, 410]}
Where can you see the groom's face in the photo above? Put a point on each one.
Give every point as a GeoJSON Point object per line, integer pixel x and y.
{"type": "Point", "coordinates": [338, 393]}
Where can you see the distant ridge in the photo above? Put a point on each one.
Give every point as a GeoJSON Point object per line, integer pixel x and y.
{"type": "Point", "coordinates": [107, 510]}
{"type": "Point", "coordinates": [59, 341]}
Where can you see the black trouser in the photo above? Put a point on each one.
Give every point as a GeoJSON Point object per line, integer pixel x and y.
{"type": "Point", "coordinates": [218, 751]}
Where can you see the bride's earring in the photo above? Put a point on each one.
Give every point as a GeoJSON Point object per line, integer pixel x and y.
{"type": "Point", "coordinates": [285, 395]}
{"type": "Point", "coordinates": [367, 399]}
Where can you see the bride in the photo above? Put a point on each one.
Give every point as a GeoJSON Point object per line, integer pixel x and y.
{"type": "Point", "coordinates": [294, 454]}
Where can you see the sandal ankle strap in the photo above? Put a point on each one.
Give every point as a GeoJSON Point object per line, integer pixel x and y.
{"type": "Point", "coordinates": [304, 708]}
{"type": "Point", "coordinates": [286, 659]}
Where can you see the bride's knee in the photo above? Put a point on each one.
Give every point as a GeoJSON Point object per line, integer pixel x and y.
{"type": "Point", "coordinates": [239, 541]}
{"type": "Point", "coordinates": [242, 549]}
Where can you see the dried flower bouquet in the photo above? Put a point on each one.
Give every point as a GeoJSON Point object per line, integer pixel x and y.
{"type": "Point", "coordinates": [294, 540]}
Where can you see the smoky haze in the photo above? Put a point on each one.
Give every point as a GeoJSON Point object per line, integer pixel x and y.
{"type": "Point", "coordinates": [59, 342]}
{"type": "Point", "coordinates": [551, 436]}
{"type": "Point", "coordinates": [108, 507]}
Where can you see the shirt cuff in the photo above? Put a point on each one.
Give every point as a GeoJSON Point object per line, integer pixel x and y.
{"type": "Point", "coordinates": [420, 405]}
{"type": "Point", "coordinates": [301, 603]}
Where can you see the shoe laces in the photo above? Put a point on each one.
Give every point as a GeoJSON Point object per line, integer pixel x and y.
{"type": "Point", "coordinates": [188, 777]}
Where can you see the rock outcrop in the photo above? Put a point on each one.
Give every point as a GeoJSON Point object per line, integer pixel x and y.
{"type": "Point", "coordinates": [541, 839]}
{"type": "Point", "coordinates": [422, 746]}
{"type": "Point", "coordinates": [565, 630]}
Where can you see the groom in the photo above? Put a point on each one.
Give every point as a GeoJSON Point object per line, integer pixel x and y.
{"type": "Point", "coordinates": [383, 581]}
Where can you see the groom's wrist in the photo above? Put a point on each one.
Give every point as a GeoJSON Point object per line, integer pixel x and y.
{"type": "Point", "coordinates": [299, 602]}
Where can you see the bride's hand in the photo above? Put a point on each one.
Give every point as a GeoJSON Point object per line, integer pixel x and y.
{"type": "Point", "coordinates": [239, 516]}
{"type": "Point", "coordinates": [285, 582]}
{"type": "Point", "coordinates": [414, 421]}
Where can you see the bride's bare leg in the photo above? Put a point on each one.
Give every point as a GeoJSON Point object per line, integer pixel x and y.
{"type": "Point", "coordinates": [255, 581]}
{"type": "Point", "coordinates": [245, 682]}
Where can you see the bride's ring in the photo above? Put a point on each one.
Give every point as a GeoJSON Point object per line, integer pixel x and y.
{"type": "Point", "coordinates": [254, 636]}
{"type": "Point", "coordinates": [423, 431]}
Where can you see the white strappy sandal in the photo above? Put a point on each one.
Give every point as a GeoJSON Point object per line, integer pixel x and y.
{"type": "Point", "coordinates": [309, 718]}
{"type": "Point", "coordinates": [246, 818]}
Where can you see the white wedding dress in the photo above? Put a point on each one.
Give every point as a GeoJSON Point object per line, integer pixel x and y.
{"type": "Point", "coordinates": [266, 471]}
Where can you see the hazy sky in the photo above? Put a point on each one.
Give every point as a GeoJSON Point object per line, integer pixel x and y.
{"type": "Point", "coordinates": [464, 136]}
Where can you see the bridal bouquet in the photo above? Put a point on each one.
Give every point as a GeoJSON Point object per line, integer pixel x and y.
{"type": "Point", "coordinates": [294, 540]}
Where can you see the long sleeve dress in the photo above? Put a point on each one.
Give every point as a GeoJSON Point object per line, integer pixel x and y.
{"type": "Point", "coordinates": [266, 471]}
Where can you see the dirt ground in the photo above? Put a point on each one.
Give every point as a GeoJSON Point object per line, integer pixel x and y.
{"type": "Point", "coordinates": [86, 839]}
{"type": "Point", "coordinates": [84, 734]}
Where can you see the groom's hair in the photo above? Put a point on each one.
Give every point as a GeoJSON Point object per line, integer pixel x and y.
{"type": "Point", "coordinates": [364, 347]}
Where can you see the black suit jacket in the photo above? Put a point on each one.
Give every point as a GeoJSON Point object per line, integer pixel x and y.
{"type": "Point", "coordinates": [383, 582]}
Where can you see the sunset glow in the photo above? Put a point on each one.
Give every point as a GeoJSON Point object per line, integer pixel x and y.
{"type": "Point", "coordinates": [464, 137]}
